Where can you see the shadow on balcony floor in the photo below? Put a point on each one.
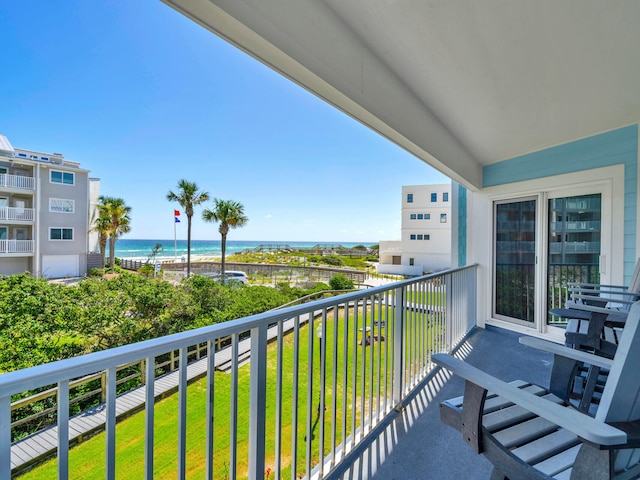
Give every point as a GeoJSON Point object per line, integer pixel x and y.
{"type": "Point", "coordinates": [417, 446]}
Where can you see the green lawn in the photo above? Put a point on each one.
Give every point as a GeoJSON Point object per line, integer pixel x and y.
{"type": "Point", "coordinates": [87, 459]}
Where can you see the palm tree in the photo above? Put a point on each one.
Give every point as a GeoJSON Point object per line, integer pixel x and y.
{"type": "Point", "coordinates": [114, 214]}
{"type": "Point", "coordinates": [230, 214]}
{"type": "Point", "coordinates": [188, 195]}
{"type": "Point", "coordinates": [101, 225]}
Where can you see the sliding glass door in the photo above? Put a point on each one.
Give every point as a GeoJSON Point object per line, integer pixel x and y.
{"type": "Point", "coordinates": [515, 261]}
{"type": "Point", "coordinates": [574, 247]}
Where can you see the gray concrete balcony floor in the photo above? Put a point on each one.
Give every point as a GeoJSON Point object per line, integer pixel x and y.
{"type": "Point", "coordinates": [417, 446]}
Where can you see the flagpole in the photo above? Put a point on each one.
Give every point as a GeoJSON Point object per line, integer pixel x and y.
{"type": "Point", "coordinates": [175, 244]}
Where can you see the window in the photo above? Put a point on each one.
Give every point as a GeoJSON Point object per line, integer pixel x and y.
{"type": "Point", "coordinates": [412, 216]}
{"type": "Point", "coordinates": [411, 261]}
{"type": "Point", "coordinates": [434, 197]}
{"type": "Point", "coordinates": [24, 155]}
{"type": "Point", "coordinates": [61, 205]}
{"type": "Point", "coordinates": [66, 178]}
{"type": "Point", "coordinates": [409, 197]}
{"type": "Point", "coordinates": [427, 216]}
{"type": "Point", "coordinates": [420, 216]}
{"type": "Point", "coordinates": [61, 233]}
{"type": "Point", "coordinates": [443, 218]}
{"type": "Point", "coordinates": [427, 237]}
{"type": "Point", "coordinates": [412, 236]}
{"type": "Point", "coordinates": [445, 197]}
{"type": "Point", "coordinates": [419, 236]}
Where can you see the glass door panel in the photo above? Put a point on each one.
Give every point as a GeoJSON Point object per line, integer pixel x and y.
{"type": "Point", "coordinates": [574, 247]}
{"type": "Point", "coordinates": [515, 261]}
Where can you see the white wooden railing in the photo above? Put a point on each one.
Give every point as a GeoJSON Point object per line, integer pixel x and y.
{"type": "Point", "coordinates": [347, 364]}
{"type": "Point", "coordinates": [16, 214]}
{"type": "Point", "coordinates": [16, 246]}
{"type": "Point", "coordinates": [18, 182]}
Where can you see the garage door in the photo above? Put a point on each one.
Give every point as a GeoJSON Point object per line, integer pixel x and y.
{"type": "Point", "coordinates": [60, 266]}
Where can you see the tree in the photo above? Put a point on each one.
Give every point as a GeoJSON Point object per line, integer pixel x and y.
{"type": "Point", "coordinates": [101, 225]}
{"type": "Point", "coordinates": [114, 219]}
{"type": "Point", "coordinates": [188, 196]}
{"type": "Point", "coordinates": [230, 214]}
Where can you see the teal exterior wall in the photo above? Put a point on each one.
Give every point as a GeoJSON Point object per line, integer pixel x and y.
{"type": "Point", "coordinates": [462, 226]}
{"type": "Point", "coordinates": [610, 148]}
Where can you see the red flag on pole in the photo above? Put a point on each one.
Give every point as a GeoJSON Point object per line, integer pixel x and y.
{"type": "Point", "coordinates": [176, 213]}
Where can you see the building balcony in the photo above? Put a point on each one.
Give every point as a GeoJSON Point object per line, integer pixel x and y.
{"type": "Point", "coordinates": [16, 214]}
{"type": "Point", "coordinates": [17, 182]}
{"type": "Point", "coordinates": [16, 247]}
{"type": "Point", "coordinates": [324, 380]}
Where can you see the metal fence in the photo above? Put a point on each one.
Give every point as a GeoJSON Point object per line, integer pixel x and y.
{"type": "Point", "coordinates": [318, 391]}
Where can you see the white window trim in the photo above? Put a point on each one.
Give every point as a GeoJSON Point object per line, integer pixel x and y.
{"type": "Point", "coordinates": [73, 234]}
{"type": "Point", "coordinates": [62, 183]}
{"type": "Point", "coordinates": [52, 200]}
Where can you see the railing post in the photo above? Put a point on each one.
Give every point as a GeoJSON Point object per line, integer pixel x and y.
{"type": "Point", "coordinates": [142, 378]}
{"type": "Point", "coordinates": [5, 438]}
{"type": "Point", "coordinates": [103, 387]}
{"type": "Point", "coordinates": [398, 347]}
{"type": "Point", "coordinates": [448, 315]}
{"type": "Point", "coordinates": [258, 394]}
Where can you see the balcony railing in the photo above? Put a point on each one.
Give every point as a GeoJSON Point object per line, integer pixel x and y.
{"type": "Point", "coordinates": [16, 246]}
{"type": "Point", "coordinates": [345, 366]}
{"type": "Point", "coordinates": [17, 182]}
{"type": "Point", "coordinates": [20, 214]}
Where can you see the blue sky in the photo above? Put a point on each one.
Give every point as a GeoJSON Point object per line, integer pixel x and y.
{"type": "Point", "coordinates": [142, 97]}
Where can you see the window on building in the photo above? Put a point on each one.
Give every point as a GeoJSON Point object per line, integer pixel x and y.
{"type": "Point", "coordinates": [443, 218]}
{"type": "Point", "coordinates": [411, 261]}
{"type": "Point", "coordinates": [24, 155]}
{"type": "Point", "coordinates": [409, 197]}
{"type": "Point", "coordinates": [412, 216]}
{"type": "Point", "coordinates": [66, 178]}
{"type": "Point", "coordinates": [427, 237]}
{"type": "Point", "coordinates": [412, 236]}
{"type": "Point", "coordinates": [427, 216]}
{"type": "Point", "coordinates": [61, 205]}
{"type": "Point", "coordinates": [434, 197]}
{"type": "Point", "coordinates": [420, 216]}
{"type": "Point", "coordinates": [445, 197]}
{"type": "Point", "coordinates": [419, 236]}
{"type": "Point", "coordinates": [56, 233]}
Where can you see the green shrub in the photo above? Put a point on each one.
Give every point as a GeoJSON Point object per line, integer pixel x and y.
{"type": "Point", "coordinates": [334, 260]}
{"type": "Point", "coordinates": [146, 270]}
{"type": "Point", "coordinates": [341, 282]}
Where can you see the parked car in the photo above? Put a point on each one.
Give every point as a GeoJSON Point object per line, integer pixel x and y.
{"type": "Point", "coordinates": [230, 276]}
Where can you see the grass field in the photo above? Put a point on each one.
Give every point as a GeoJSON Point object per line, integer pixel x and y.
{"type": "Point", "coordinates": [364, 369]}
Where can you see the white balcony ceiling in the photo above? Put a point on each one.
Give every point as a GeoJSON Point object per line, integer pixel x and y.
{"type": "Point", "coordinates": [460, 83]}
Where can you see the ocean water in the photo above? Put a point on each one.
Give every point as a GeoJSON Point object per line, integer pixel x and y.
{"type": "Point", "coordinates": [132, 248]}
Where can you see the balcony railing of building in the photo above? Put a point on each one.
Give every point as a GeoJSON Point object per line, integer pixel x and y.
{"type": "Point", "coordinates": [16, 246]}
{"type": "Point", "coordinates": [17, 182]}
{"type": "Point", "coordinates": [17, 214]}
{"type": "Point", "coordinates": [319, 391]}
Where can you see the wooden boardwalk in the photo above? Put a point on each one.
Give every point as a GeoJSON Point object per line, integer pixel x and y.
{"type": "Point", "coordinates": [43, 444]}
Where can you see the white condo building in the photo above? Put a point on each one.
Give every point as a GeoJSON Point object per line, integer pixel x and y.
{"type": "Point", "coordinates": [46, 206]}
{"type": "Point", "coordinates": [425, 244]}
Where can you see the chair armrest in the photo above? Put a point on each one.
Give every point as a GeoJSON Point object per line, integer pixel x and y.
{"type": "Point", "coordinates": [566, 352]}
{"type": "Point", "coordinates": [576, 422]}
{"type": "Point", "coordinates": [613, 315]}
